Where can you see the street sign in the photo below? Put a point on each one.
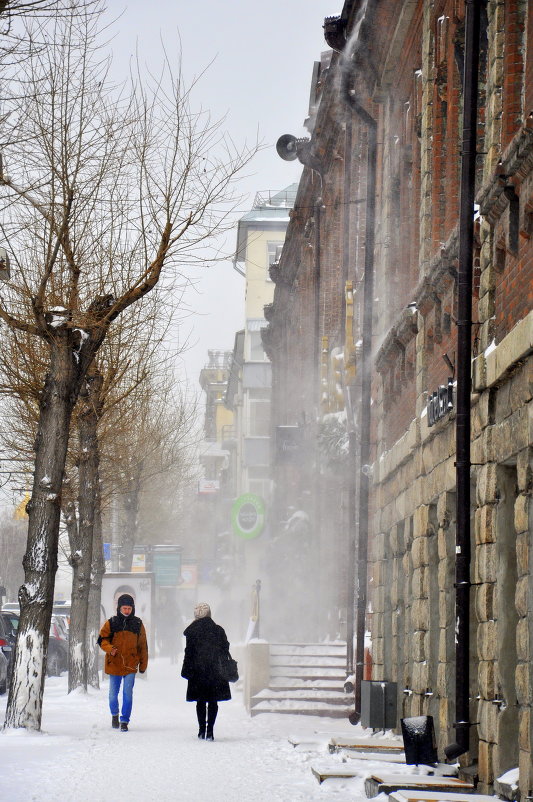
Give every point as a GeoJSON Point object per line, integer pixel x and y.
{"type": "Point", "coordinates": [138, 563]}
{"type": "Point", "coordinates": [167, 568]}
{"type": "Point", "coordinates": [208, 486]}
{"type": "Point", "coordinates": [248, 516]}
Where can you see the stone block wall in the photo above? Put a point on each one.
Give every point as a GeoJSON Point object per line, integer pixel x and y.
{"type": "Point", "coordinates": [412, 89]}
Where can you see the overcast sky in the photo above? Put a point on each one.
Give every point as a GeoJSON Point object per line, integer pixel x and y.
{"type": "Point", "coordinates": [262, 54]}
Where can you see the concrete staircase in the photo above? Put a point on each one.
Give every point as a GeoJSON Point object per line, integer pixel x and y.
{"type": "Point", "coordinates": [305, 679]}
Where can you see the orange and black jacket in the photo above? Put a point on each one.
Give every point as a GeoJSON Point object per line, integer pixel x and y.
{"type": "Point", "coordinates": [128, 635]}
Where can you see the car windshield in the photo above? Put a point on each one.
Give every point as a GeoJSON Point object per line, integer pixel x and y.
{"type": "Point", "coordinates": [14, 619]}
{"type": "Point", "coordinates": [58, 627]}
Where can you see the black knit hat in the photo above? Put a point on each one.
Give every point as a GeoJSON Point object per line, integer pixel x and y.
{"type": "Point", "coordinates": [127, 600]}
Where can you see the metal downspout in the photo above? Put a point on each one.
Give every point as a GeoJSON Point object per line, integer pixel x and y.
{"type": "Point", "coordinates": [316, 300]}
{"type": "Point", "coordinates": [352, 437]}
{"type": "Point", "coordinates": [464, 381]}
{"type": "Point", "coordinates": [366, 387]}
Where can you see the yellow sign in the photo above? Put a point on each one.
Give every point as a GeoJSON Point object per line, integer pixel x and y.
{"type": "Point", "coordinates": [138, 564]}
{"type": "Point", "coordinates": [20, 513]}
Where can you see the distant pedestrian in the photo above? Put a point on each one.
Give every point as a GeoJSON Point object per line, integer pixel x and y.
{"type": "Point", "coordinates": [123, 639]}
{"type": "Point", "coordinates": [206, 645]}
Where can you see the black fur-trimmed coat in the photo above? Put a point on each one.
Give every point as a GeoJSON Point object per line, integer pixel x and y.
{"type": "Point", "coordinates": [206, 643]}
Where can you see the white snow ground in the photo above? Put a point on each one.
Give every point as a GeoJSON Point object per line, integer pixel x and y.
{"type": "Point", "coordinates": [78, 757]}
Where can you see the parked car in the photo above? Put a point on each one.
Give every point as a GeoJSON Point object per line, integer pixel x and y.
{"type": "Point", "coordinates": [3, 672]}
{"type": "Point", "coordinates": [57, 644]}
{"type": "Point", "coordinates": [57, 647]}
{"type": "Point", "coordinates": [62, 608]}
{"type": "Point", "coordinates": [9, 623]}
{"type": "Point", "coordinates": [13, 607]}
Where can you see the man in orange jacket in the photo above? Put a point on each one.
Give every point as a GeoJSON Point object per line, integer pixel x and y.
{"type": "Point", "coordinates": [123, 639]}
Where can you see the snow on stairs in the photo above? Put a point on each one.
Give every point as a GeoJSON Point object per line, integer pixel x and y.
{"type": "Point", "coordinates": [305, 679]}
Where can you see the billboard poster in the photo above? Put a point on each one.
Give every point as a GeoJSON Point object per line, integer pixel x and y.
{"type": "Point", "coordinates": [189, 577]}
{"type": "Point", "coordinates": [138, 564]}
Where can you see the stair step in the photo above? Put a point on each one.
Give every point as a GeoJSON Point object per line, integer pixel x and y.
{"type": "Point", "coordinates": [301, 708]}
{"type": "Point", "coordinates": [308, 695]}
{"type": "Point", "coordinates": [306, 679]}
{"type": "Point", "coordinates": [289, 683]}
{"type": "Point", "coordinates": [308, 672]}
{"type": "Point", "coordinates": [322, 649]}
{"type": "Point", "coordinates": [307, 660]}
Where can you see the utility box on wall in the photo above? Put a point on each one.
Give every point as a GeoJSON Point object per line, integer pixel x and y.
{"type": "Point", "coordinates": [379, 704]}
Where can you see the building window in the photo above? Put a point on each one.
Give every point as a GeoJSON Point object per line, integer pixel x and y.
{"type": "Point", "coordinates": [259, 409]}
{"type": "Point", "coordinates": [257, 353]}
{"type": "Point", "coordinates": [274, 253]}
{"type": "Point", "coordinates": [259, 481]}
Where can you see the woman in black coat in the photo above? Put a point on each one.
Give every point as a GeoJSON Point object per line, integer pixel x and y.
{"type": "Point", "coordinates": [206, 644]}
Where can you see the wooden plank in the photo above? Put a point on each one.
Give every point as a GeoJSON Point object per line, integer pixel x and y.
{"type": "Point", "coordinates": [378, 756]}
{"type": "Point", "coordinates": [387, 783]}
{"type": "Point", "coordinates": [340, 772]}
{"type": "Point", "coordinates": [385, 746]}
{"type": "Point", "coordinates": [405, 795]}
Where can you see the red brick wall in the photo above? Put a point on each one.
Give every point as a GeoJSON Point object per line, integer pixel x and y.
{"type": "Point", "coordinates": [513, 115]}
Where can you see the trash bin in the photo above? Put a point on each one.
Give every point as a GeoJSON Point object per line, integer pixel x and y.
{"type": "Point", "coordinates": [419, 740]}
{"type": "Point", "coordinates": [379, 704]}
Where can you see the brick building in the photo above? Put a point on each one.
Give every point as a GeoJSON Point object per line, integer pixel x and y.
{"type": "Point", "coordinates": [370, 274]}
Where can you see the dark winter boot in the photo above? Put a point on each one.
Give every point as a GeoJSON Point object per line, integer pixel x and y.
{"type": "Point", "coordinates": [212, 710]}
{"type": "Point", "coordinates": [114, 722]}
{"type": "Point", "coordinates": [123, 726]}
{"type": "Point", "coordinates": [201, 732]}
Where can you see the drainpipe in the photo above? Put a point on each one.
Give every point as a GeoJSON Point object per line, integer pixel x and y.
{"type": "Point", "coordinates": [352, 437]}
{"type": "Point", "coordinates": [317, 283]}
{"type": "Point", "coordinates": [335, 29]}
{"type": "Point", "coordinates": [464, 382]}
{"type": "Point", "coordinates": [366, 386]}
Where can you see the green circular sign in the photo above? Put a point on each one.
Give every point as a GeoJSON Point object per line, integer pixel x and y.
{"type": "Point", "coordinates": [248, 516]}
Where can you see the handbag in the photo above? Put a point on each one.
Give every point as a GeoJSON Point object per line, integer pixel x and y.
{"type": "Point", "coordinates": [228, 668]}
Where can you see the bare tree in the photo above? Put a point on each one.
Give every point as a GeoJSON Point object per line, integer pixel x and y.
{"type": "Point", "coordinates": [128, 396]}
{"type": "Point", "coordinates": [130, 355]}
{"type": "Point", "coordinates": [153, 457]}
{"type": "Point", "coordinates": [101, 191]}
{"type": "Point", "coordinates": [41, 8]}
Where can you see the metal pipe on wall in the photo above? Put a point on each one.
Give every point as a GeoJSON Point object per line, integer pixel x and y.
{"type": "Point", "coordinates": [366, 390]}
{"type": "Point", "coordinates": [464, 381]}
{"type": "Point", "coordinates": [352, 438]}
{"type": "Point", "coordinates": [335, 29]}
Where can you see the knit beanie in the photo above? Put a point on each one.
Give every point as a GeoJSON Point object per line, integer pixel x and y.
{"type": "Point", "coordinates": [202, 610]}
{"type": "Point", "coordinates": [125, 600]}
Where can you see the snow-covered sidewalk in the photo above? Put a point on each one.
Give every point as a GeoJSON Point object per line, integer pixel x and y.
{"type": "Point", "coordinates": [78, 757]}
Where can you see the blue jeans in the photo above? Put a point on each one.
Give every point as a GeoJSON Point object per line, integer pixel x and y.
{"type": "Point", "coordinates": [127, 695]}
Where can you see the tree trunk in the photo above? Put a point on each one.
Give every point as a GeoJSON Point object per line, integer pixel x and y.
{"type": "Point", "coordinates": [82, 554]}
{"type": "Point", "coordinates": [95, 591]}
{"type": "Point", "coordinates": [24, 707]}
{"type": "Point", "coordinates": [92, 651]}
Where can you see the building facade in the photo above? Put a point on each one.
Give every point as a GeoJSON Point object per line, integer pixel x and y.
{"type": "Point", "coordinates": [363, 339]}
{"type": "Point", "coordinates": [260, 236]}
